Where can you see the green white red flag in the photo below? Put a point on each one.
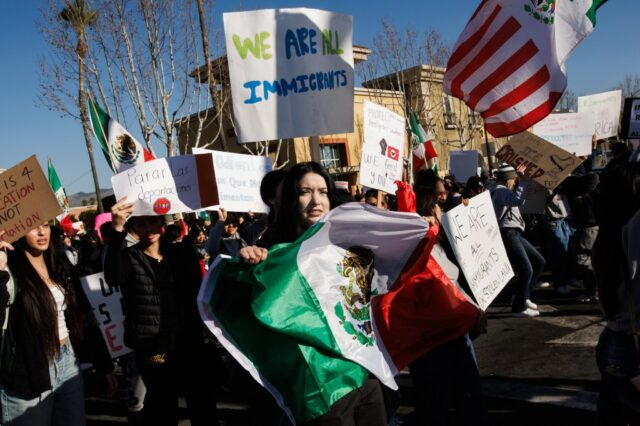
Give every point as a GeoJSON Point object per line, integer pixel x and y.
{"type": "Point", "coordinates": [422, 143]}
{"type": "Point", "coordinates": [58, 190]}
{"type": "Point", "coordinates": [509, 62]}
{"type": "Point", "coordinates": [301, 322]}
{"type": "Point", "coordinates": [121, 150]}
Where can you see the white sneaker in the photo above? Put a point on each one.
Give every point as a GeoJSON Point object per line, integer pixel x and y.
{"type": "Point", "coordinates": [542, 284]}
{"type": "Point", "coordinates": [529, 304]}
{"type": "Point", "coordinates": [527, 313]}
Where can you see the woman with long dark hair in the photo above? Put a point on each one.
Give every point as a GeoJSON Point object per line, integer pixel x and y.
{"type": "Point", "coordinates": [49, 321]}
{"type": "Point", "coordinates": [616, 262]}
{"type": "Point", "coordinates": [307, 192]}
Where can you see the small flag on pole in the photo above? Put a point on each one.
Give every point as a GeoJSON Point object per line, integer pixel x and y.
{"type": "Point", "coordinates": [121, 150]}
{"type": "Point", "coordinates": [423, 149]}
{"type": "Point", "coordinates": [58, 190]}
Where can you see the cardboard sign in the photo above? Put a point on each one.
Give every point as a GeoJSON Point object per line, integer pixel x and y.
{"type": "Point", "coordinates": [291, 72]}
{"type": "Point", "coordinates": [476, 241]}
{"type": "Point", "coordinates": [536, 197]}
{"type": "Point", "coordinates": [26, 199]}
{"type": "Point", "coordinates": [463, 164]}
{"type": "Point", "coordinates": [631, 119]}
{"type": "Point", "coordinates": [168, 185]}
{"type": "Point", "coordinates": [572, 132]}
{"type": "Point", "coordinates": [106, 302]}
{"type": "Point", "coordinates": [238, 178]}
{"type": "Point", "coordinates": [545, 163]}
{"type": "Point", "coordinates": [605, 108]}
{"type": "Point", "coordinates": [382, 151]}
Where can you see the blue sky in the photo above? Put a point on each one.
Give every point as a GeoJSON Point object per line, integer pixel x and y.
{"type": "Point", "coordinates": [599, 63]}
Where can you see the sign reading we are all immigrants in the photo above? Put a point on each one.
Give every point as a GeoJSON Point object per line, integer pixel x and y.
{"type": "Point", "coordinates": [291, 72]}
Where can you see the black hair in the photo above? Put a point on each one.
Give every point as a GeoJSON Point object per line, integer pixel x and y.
{"type": "Point", "coordinates": [426, 177]}
{"type": "Point", "coordinates": [36, 299]}
{"type": "Point", "coordinates": [172, 232]}
{"type": "Point", "coordinates": [269, 185]}
{"type": "Point", "coordinates": [426, 199]}
{"type": "Point", "coordinates": [341, 196]}
{"type": "Point", "coordinates": [286, 226]}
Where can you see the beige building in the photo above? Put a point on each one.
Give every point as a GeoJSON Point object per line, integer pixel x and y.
{"type": "Point", "coordinates": [418, 89]}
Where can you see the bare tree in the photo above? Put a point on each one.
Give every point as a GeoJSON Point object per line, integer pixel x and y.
{"type": "Point", "coordinates": [568, 102]}
{"type": "Point", "coordinates": [630, 86]}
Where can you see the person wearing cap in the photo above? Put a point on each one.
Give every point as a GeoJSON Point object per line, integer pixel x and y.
{"type": "Point", "coordinates": [527, 262]}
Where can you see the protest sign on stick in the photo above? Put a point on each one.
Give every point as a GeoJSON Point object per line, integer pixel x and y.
{"type": "Point", "coordinates": [545, 163]}
{"type": "Point", "coordinates": [168, 185]}
{"type": "Point", "coordinates": [463, 164]}
{"type": "Point", "coordinates": [106, 302]}
{"type": "Point", "coordinates": [26, 199]}
{"type": "Point", "coordinates": [572, 132]}
{"type": "Point", "coordinates": [291, 72]}
{"type": "Point", "coordinates": [238, 178]}
{"type": "Point", "coordinates": [476, 241]}
{"type": "Point", "coordinates": [605, 108]}
{"type": "Point", "coordinates": [383, 148]}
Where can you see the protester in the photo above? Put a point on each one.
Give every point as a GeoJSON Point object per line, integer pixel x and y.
{"type": "Point", "coordinates": [558, 231]}
{"type": "Point", "coordinates": [527, 262]}
{"type": "Point", "coordinates": [159, 282]}
{"type": "Point", "coordinates": [306, 194]}
{"type": "Point", "coordinates": [49, 327]}
{"type": "Point", "coordinates": [224, 237]}
{"type": "Point", "coordinates": [616, 262]}
{"type": "Point", "coordinates": [371, 198]}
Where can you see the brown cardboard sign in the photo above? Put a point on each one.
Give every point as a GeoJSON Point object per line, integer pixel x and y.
{"type": "Point", "coordinates": [545, 163]}
{"type": "Point", "coordinates": [26, 199]}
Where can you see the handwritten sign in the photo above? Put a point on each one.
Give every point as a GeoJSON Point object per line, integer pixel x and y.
{"type": "Point", "coordinates": [631, 119]}
{"type": "Point", "coordinates": [605, 108]}
{"type": "Point", "coordinates": [238, 178]}
{"type": "Point", "coordinates": [572, 132]}
{"type": "Point", "coordinates": [382, 151]}
{"type": "Point", "coordinates": [476, 241]}
{"type": "Point", "coordinates": [26, 199]}
{"type": "Point", "coordinates": [463, 164]}
{"type": "Point", "coordinates": [291, 72]}
{"type": "Point", "coordinates": [107, 308]}
{"type": "Point", "coordinates": [545, 163]}
{"type": "Point", "coordinates": [168, 185]}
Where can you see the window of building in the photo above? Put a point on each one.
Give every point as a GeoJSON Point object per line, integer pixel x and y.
{"type": "Point", "coordinates": [474, 118]}
{"type": "Point", "coordinates": [449, 116]}
{"type": "Point", "coordinates": [333, 155]}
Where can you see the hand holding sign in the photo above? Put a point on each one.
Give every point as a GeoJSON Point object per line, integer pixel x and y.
{"type": "Point", "coordinates": [3, 254]}
{"type": "Point", "coordinates": [120, 212]}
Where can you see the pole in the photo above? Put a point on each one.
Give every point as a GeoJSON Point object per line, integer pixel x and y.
{"type": "Point", "coordinates": [486, 147]}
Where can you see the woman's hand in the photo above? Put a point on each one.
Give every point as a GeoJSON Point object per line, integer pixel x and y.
{"type": "Point", "coordinates": [4, 246]}
{"type": "Point", "coordinates": [112, 385]}
{"type": "Point", "coordinates": [120, 212]}
{"type": "Point", "coordinates": [222, 215]}
{"type": "Point", "coordinates": [253, 254]}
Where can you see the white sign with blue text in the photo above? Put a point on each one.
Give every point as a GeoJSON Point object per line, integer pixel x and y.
{"type": "Point", "coordinates": [291, 72]}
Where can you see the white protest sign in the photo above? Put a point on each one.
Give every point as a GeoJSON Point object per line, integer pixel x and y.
{"type": "Point", "coordinates": [382, 151]}
{"type": "Point", "coordinates": [572, 132]}
{"type": "Point", "coordinates": [238, 178]}
{"type": "Point", "coordinates": [476, 241]}
{"type": "Point", "coordinates": [106, 302]}
{"type": "Point", "coordinates": [463, 164]}
{"type": "Point", "coordinates": [168, 185]}
{"type": "Point", "coordinates": [605, 108]}
{"type": "Point", "coordinates": [291, 72]}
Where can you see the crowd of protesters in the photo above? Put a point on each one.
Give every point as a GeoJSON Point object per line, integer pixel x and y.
{"type": "Point", "coordinates": [588, 240]}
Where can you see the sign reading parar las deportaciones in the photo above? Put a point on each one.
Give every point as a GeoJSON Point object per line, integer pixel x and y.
{"type": "Point", "coordinates": [168, 185]}
{"type": "Point", "coordinates": [475, 238]}
{"type": "Point", "coordinates": [26, 199]}
{"type": "Point", "coordinates": [291, 72]}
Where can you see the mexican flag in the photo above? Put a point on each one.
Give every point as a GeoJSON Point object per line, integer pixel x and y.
{"type": "Point", "coordinates": [423, 149]}
{"type": "Point", "coordinates": [58, 190]}
{"type": "Point", "coordinates": [509, 63]}
{"type": "Point", "coordinates": [121, 150]}
{"type": "Point", "coordinates": [301, 322]}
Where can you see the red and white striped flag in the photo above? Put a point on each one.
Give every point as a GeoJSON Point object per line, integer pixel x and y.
{"type": "Point", "coordinates": [508, 63]}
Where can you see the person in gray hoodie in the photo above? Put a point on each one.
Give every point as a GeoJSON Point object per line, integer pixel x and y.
{"type": "Point", "coordinates": [527, 262]}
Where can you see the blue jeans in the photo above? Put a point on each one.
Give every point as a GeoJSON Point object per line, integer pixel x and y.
{"type": "Point", "coordinates": [63, 404]}
{"type": "Point", "coordinates": [527, 263]}
{"type": "Point", "coordinates": [557, 235]}
{"type": "Point", "coordinates": [618, 362]}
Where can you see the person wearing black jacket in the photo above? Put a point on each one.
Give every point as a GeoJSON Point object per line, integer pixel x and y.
{"type": "Point", "coordinates": [159, 283]}
{"type": "Point", "coordinates": [49, 326]}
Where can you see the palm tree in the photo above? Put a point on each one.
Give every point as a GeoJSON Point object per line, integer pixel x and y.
{"type": "Point", "coordinates": [77, 15]}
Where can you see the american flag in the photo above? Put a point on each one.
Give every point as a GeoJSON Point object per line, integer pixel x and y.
{"type": "Point", "coordinates": [508, 63]}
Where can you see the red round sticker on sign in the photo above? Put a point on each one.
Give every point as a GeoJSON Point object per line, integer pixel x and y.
{"type": "Point", "coordinates": [162, 206]}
